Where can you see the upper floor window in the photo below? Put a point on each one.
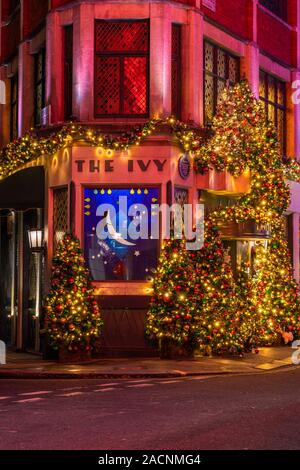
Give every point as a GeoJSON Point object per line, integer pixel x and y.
{"type": "Point", "coordinates": [176, 70]}
{"type": "Point", "coordinates": [39, 86]}
{"type": "Point", "coordinates": [122, 68]}
{"type": "Point", "coordinates": [273, 93]}
{"type": "Point", "coordinates": [68, 72]}
{"type": "Point", "coordinates": [278, 7]}
{"type": "Point", "coordinates": [221, 69]}
{"type": "Point", "coordinates": [14, 107]}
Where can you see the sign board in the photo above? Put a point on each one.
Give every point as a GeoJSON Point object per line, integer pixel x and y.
{"type": "Point", "coordinates": [184, 167]}
{"type": "Point", "coordinates": [210, 4]}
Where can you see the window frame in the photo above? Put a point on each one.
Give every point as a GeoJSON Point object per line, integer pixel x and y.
{"type": "Point", "coordinates": [14, 105]}
{"type": "Point", "coordinates": [68, 33]}
{"type": "Point", "coordinates": [122, 56]}
{"type": "Point", "coordinates": [277, 106]}
{"type": "Point", "coordinates": [281, 11]}
{"type": "Point", "coordinates": [97, 186]}
{"type": "Point", "coordinates": [214, 74]}
{"type": "Point", "coordinates": [176, 62]}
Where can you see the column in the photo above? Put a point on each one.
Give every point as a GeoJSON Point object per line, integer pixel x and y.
{"type": "Point", "coordinates": [26, 88]}
{"type": "Point", "coordinates": [193, 80]}
{"type": "Point", "coordinates": [54, 67]}
{"type": "Point", "coordinates": [160, 64]}
{"type": "Point", "coordinates": [83, 73]}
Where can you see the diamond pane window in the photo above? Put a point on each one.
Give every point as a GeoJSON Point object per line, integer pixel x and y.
{"type": "Point", "coordinates": [122, 68]}
{"type": "Point", "coordinates": [209, 98]}
{"type": "Point", "coordinates": [60, 215]}
{"type": "Point", "coordinates": [272, 93]}
{"type": "Point", "coordinates": [221, 69]}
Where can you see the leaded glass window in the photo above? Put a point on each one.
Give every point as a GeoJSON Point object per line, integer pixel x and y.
{"type": "Point", "coordinates": [122, 68]}
{"type": "Point", "coordinates": [221, 69]}
{"type": "Point", "coordinates": [273, 94]}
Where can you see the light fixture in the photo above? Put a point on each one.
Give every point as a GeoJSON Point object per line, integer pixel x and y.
{"type": "Point", "coordinates": [36, 240]}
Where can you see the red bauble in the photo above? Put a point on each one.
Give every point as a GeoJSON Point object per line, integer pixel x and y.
{"type": "Point", "coordinates": [71, 280]}
{"type": "Point", "coordinates": [59, 308]}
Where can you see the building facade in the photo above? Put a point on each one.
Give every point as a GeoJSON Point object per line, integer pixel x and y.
{"type": "Point", "coordinates": [112, 65]}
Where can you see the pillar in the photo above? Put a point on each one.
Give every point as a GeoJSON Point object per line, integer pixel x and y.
{"type": "Point", "coordinates": [160, 63]}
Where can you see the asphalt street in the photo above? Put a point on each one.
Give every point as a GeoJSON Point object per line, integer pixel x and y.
{"type": "Point", "coordinates": [231, 412]}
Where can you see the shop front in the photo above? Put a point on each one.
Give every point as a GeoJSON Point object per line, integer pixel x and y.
{"type": "Point", "coordinates": [94, 193]}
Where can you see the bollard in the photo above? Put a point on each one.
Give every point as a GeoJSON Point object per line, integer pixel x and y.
{"type": "Point", "coordinates": [2, 353]}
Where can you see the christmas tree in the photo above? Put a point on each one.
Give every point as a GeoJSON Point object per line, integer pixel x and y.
{"type": "Point", "coordinates": [171, 317]}
{"type": "Point", "coordinates": [72, 314]}
{"type": "Point", "coordinates": [275, 293]}
{"type": "Point", "coordinates": [250, 319]}
{"type": "Point", "coordinates": [216, 301]}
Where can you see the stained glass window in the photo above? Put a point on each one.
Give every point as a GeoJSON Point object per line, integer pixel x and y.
{"type": "Point", "coordinates": [122, 68]}
{"type": "Point", "coordinates": [272, 93]}
{"type": "Point", "coordinates": [111, 254]}
{"type": "Point", "coordinates": [221, 69]}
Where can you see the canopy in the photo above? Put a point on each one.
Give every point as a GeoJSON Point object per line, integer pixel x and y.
{"type": "Point", "coordinates": [23, 190]}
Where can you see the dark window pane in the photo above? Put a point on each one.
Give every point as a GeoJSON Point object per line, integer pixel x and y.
{"type": "Point", "coordinates": [176, 71]}
{"type": "Point", "coordinates": [122, 36]}
{"type": "Point", "coordinates": [107, 85]}
{"type": "Point", "coordinates": [278, 7]}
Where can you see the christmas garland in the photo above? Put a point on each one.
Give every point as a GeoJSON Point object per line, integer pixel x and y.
{"type": "Point", "coordinates": [31, 146]}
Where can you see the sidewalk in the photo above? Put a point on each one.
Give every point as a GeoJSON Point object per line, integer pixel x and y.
{"type": "Point", "coordinates": [26, 366]}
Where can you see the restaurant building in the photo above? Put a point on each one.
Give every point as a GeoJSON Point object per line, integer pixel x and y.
{"type": "Point", "coordinates": [111, 66]}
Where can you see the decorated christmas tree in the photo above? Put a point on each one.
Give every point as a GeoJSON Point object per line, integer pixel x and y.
{"type": "Point", "coordinates": [215, 296]}
{"type": "Point", "coordinates": [250, 320]}
{"type": "Point", "coordinates": [72, 314]}
{"type": "Point", "coordinates": [275, 293]}
{"type": "Point", "coordinates": [171, 318]}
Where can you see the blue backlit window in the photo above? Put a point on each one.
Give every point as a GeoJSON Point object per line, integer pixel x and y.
{"type": "Point", "coordinates": [118, 258]}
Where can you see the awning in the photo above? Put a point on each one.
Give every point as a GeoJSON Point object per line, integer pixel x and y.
{"type": "Point", "coordinates": [23, 190]}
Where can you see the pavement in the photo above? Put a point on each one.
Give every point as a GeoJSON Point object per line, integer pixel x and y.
{"type": "Point", "coordinates": [28, 366]}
